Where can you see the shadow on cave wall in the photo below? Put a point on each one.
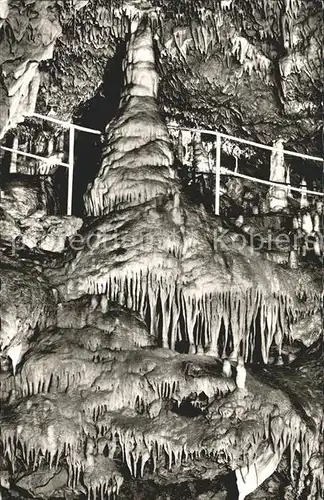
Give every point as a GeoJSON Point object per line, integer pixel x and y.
{"type": "Point", "coordinates": [95, 114]}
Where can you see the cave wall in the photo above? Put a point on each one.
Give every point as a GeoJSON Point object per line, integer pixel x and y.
{"type": "Point", "coordinates": [28, 34]}
{"type": "Point", "coordinates": [253, 69]}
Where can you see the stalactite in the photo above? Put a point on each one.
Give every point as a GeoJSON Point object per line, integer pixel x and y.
{"type": "Point", "coordinates": [226, 4]}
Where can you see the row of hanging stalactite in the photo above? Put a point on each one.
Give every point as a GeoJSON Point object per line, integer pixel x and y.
{"type": "Point", "coordinates": [48, 144]}
{"type": "Point", "coordinates": [139, 446]}
{"type": "Point", "coordinates": [192, 150]}
{"type": "Point", "coordinates": [297, 204]}
{"type": "Point", "coordinates": [220, 324]}
{"type": "Point", "coordinates": [208, 28]}
{"type": "Point", "coordinates": [97, 26]}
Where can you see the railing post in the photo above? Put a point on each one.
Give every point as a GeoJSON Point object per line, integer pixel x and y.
{"type": "Point", "coordinates": [180, 146]}
{"type": "Point", "coordinates": [70, 170]}
{"type": "Point", "coordinates": [217, 176]}
{"type": "Point", "coordinates": [14, 156]}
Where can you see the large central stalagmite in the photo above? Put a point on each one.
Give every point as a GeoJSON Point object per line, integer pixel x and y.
{"type": "Point", "coordinates": [137, 157]}
{"type": "Point", "coordinates": [159, 255]}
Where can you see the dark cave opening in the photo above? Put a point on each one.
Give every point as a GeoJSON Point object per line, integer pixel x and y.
{"type": "Point", "coordinates": [95, 114]}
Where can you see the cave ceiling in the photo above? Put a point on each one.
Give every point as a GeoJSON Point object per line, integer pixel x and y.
{"type": "Point", "coordinates": [251, 69]}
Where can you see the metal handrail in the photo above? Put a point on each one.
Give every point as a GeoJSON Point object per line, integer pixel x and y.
{"type": "Point", "coordinates": [226, 171]}
{"type": "Point", "coordinates": [66, 124]}
{"type": "Point", "coordinates": [36, 157]}
{"type": "Point", "coordinates": [246, 141]}
{"type": "Point", "coordinates": [219, 170]}
{"type": "Point", "coordinates": [222, 171]}
{"type": "Point", "coordinates": [70, 165]}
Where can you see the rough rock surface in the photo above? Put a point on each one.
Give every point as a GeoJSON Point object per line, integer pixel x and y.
{"type": "Point", "coordinates": [244, 66]}
{"type": "Point", "coordinates": [308, 329]}
{"type": "Point", "coordinates": [168, 261]}
{"type": "Point", "coordinates": [27, 304]}
{"type": "Point", "coordinates": [44, 483]}
{"type": "Point", "coordinates": [24, 196]}
{"type": "Point", "coordinates": [93, 396]}
{"type": "Point", "coordinates": [49, 233]}
{"type": "Point", "coordinates": [25, 204]}
{"type": "Point", "coordinates": [123, 328]}
{"type": "Point", "coordinates": [252, 70]}
{"type": "Point", "coordinates": [9, 227]}
{"type": "Point", "coordinates": [30, 30]}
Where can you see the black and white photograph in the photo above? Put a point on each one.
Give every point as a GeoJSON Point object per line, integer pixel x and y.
{"type": "Point", "coordinates": [162, 250]}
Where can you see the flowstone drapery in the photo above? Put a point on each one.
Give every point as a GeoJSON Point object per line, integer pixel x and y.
{"type": "Point", "coordinates": [103, 387]}
{"type": "Point", "coordinates": [78, 402]}
{"type": "Point", "coordinates": [75, 397]}
{"type": "Point", "coordinates": [154, 252]}
{"type": "Point", "coordinates": [27, 303]}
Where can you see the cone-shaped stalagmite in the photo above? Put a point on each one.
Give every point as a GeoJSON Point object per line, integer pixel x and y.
{"type": "Point", "coordinates": [137, 158]}
{"type": "Point", "coordinates": [158, 254]}
{"type": "Point", "coordinates": [303, 197]}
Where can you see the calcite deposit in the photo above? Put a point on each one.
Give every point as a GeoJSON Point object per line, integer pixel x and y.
{"type": "Point", "coordinates": [278, 198]}
{"type": "Point", "coordinates": [137, 153]}
{"type": "Point", "coordinates": [27, 304]}
{"type": "Point", "coordinates": [67, 396]}
{"type": "Point", "coordinates": [25, 206]}
{"type": "Point", "coordinates": [143, 353]}
{"type": "Point", "coordinates": [159, 256]}
{"type": "Point", "coordinates": [21, 78]}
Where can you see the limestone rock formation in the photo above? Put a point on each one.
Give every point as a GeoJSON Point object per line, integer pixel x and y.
{"type": "Point", "coordinates": [27, 304]}
{"type": "Point", "coordinates": [4, 9]}
{"type": "Point", "coordinates": [268, 83]}
{"type": "Point", "coordinates": [9, 228]}
{"type": "Point", "coordinates": [30, 30]}
{"type": "Point", "coordinates": [308, 330]}
{"type": "Point", "coordinates": [25, 206]}
{"type": "Point", "coordinates": [103, 407]}
{"type": "Point", "coordinates": [24, 197]}
{"type": "Point", "coordinates": [123, 329]}
{"type": "Point", "coordinates": [140, 354]}
{"type": "Point", "coordinates": [168, 261]}
{"type": "Point", "coordinates": [30, 41]}
{"type": "Point", "coordinates": [49, 233]}
{"type": "Point", "coordinates": [44, 483]}
{"type": "Point", "coordinates": [137, 158]}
